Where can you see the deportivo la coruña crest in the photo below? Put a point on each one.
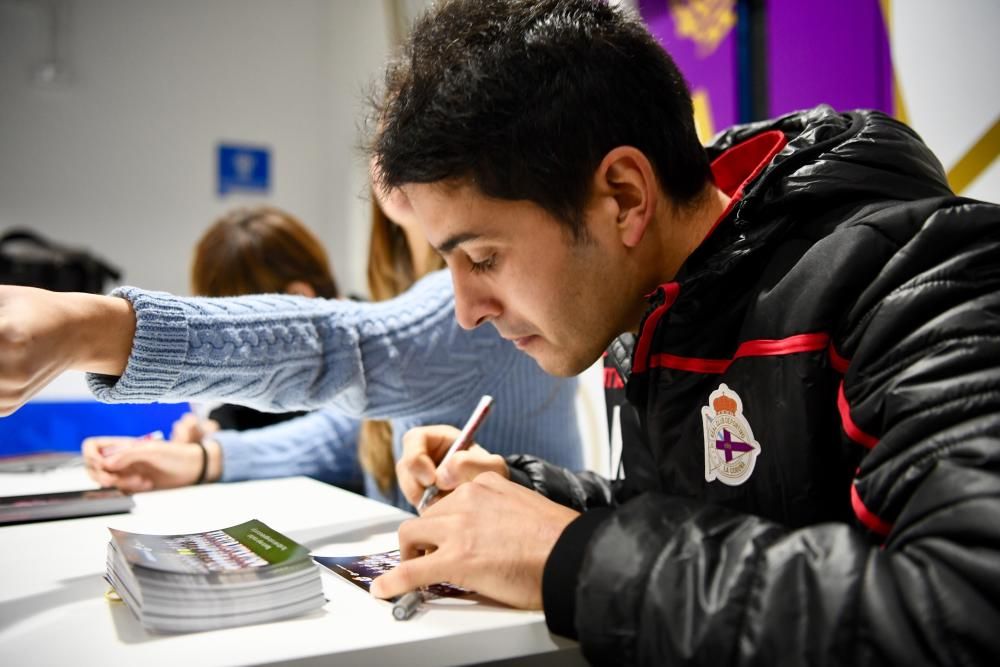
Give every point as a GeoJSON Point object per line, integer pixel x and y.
{"type": "Point", "coordinates": [730, 448]}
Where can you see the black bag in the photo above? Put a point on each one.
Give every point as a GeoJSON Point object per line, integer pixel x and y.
{"type": "Point", "coordinates": [27, 258]}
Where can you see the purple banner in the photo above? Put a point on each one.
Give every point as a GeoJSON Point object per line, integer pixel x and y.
{"type": "Point", "coordinates": [700, 35]}
{"type": "Point", "coordinates": [827, 52]}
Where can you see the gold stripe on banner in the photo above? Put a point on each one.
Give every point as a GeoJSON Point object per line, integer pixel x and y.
{"type": "Point", "coordinates": [898, 105]}
{"type": "Point", "coordinates": [976, 160]}
{"type": "Point", "coordinates": [703, 124]}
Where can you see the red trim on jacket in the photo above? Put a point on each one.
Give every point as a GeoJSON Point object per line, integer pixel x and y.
{"type": "Point", "coordinates": [810, 342]}
{"type": "Point", "coordinates": [866, 517]}
{"type": "Point", "coordinates": [850, 428]}
{"type": "Point", "coordinates": [731, 172]}
{"type": "Point", "coordinates": [742, 163]}
{"type": "Point", "coordinates": [837, 362]}
{"type": "Point", "coordinates": [670, 292]}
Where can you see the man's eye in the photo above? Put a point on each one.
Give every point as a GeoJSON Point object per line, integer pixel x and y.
{"type": "Point", "coordinates": [483, 266]}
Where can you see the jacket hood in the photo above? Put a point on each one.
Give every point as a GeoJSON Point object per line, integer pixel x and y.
{"type": "Point", "coordinates": [837, 164]}
{"type": "Point", "coordinates": [838, 158]}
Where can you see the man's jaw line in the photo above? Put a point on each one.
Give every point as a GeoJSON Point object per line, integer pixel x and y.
{"type": "Point", "coordinates": [530, 345]}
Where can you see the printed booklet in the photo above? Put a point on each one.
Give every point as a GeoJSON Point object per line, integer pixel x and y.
{"type": "Point", "coordinates": [239, 575]}
{"type": "Point", "coordinates": [361, 570]}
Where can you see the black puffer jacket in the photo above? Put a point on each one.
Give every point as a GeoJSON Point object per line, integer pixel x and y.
{"type": "Point", "coordinates": [841, 503]}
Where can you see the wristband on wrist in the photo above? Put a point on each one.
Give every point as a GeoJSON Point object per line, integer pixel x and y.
{"type": "Point", "coordinates": [204, 462]}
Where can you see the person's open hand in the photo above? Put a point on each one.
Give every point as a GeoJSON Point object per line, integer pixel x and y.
{"type": "Point", "coordinates": [423, 449]}
{"type": "Point", "coordinates": [137, 464]}
{"type": "Point", "coordinates": [44, 333]}
{"type": "Point", "coordinates": [490, 535]}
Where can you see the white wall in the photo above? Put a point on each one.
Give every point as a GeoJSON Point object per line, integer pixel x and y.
{"type": "Point", "coordinates": [121, 157]}
{"type": "Point", "coordinates": [946, 56]}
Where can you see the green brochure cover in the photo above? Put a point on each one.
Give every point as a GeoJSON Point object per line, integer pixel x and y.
{"type": "Point", "coordinates": [245, 547]}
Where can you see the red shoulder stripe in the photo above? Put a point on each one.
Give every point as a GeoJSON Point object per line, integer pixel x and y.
{"type": "Point", "coordinates": [866, 517]}
{"type": "Point", "coordinates": [809, 342]}
{"type": "Point", "coordinates": [837, 362]}
{"type": "Point", "coordinates": [847, 423]}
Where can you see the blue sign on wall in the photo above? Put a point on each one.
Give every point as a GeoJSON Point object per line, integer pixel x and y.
{"type": "Point", "coordinates": [244, 169]}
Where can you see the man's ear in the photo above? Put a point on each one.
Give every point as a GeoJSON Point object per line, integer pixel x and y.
{"type": "Point", "coordinates": [300, 288]}
{"type": "Point", "coordinates": [626, 176]}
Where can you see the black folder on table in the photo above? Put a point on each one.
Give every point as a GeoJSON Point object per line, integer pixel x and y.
{"type": "Point", "coordinates": [63, 505]}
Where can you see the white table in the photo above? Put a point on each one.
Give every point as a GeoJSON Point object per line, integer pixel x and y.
{"type": "Point", "coordinates": [53, 610]}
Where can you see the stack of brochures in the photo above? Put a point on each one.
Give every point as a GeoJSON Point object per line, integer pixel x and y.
{"type": "Point", "coordinates": [243, 574]}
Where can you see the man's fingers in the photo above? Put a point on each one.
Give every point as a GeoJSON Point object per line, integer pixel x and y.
{"type": "Point", "coordinates": [418, 536]}
{"type": "Point", "coordinates": [501, 483]}
{"type": "Point", "coordinates": [494, 480]}
{"type": "Point", "coordinates": [433, 441]}
{"type": "Point", "coordinates": [409, 473]}
{"type": "Point", "coordinates": [423, 447]}
{"type": "Point", "coordinates": [466, 466]}
{"type": "Point", "coordinates": [410, 575]}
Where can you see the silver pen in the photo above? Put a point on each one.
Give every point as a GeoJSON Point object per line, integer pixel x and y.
{"type": "Point", "coordinates": [463, 441]}
{"type": "Point", "coordinates": [406, 605]}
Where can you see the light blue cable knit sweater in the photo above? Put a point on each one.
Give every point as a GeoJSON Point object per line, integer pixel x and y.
{"type": "Point", "coordinates": [405, 360]}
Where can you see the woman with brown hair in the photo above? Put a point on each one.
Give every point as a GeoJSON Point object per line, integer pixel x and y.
{"type": "Point", "coordinates": [261, 250]}
{"type": "Point", "coordinates": [255, 250]}
{"type": "Point", "coordinates": [404, 359]}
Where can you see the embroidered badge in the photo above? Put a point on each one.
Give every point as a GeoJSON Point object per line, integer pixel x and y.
{"type": "Point", "coordinates": [730, 448]}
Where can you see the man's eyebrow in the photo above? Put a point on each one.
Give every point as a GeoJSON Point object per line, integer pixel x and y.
{"type": "Point", "coordinates": [451, 242]}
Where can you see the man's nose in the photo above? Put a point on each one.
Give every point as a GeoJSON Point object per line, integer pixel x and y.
{"type": "Point", "coordinates": [474, 305]}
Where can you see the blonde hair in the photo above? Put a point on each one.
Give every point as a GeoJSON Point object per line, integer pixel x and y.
{"type": "Point", "coordinates": [390, 273]}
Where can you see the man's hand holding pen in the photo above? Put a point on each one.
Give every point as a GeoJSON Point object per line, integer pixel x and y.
{"type": "Point", "coordinates": [424, 448]}
{"type": "Point", "coordinates": [488, 534]}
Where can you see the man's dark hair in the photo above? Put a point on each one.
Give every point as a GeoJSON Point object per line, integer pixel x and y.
{"type": "Point", "coordinates": [524, 98]}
